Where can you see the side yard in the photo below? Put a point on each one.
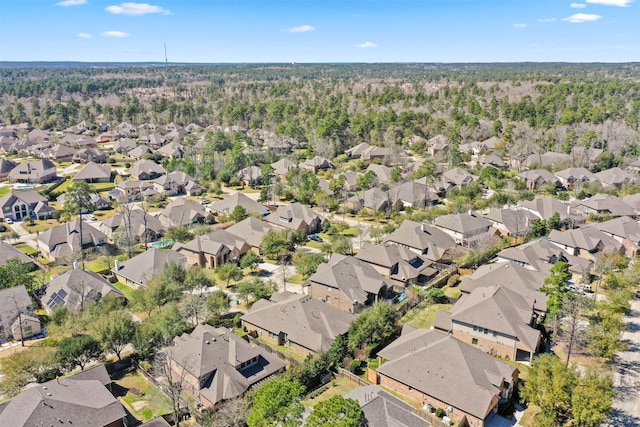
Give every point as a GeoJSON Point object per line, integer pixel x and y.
{"type": "Point", "coordinates": [141, 398]}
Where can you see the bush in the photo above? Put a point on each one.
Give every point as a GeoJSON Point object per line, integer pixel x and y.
{"type": "Point", "coordinates": [3, 228]}
{"type": "Point", "coordinates": [440, 413]}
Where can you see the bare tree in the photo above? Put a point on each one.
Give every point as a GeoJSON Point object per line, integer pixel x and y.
{"type": "Point", "coordinates": [124, 207]}
{"type": "Point", "coordinates": [573, 326]}
{"type": "Point", "coordinates": [174, 375]}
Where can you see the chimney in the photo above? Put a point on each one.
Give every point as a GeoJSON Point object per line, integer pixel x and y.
{"type": "Point", "coordinates": [232, 352]}
{"type": "Point", "coordinates": [117, 264]}
{"type": "Point", "coordinates": [75, 265]}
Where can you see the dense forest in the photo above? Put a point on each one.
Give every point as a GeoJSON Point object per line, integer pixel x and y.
{"type": "Point", "coordinates": [531, 107]}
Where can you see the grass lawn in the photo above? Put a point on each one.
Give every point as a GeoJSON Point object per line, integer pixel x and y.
{"type": "Point", "coordinates": [64, 187]}
{"type": "Point", "coordinates": [126, 290]}
{"type": "Point", "coordinates": [452, 292]}
{"type": "Point", "coordinates": [285, 350]}
{"type": "Point", "coordinates": [297, 278]}
{"type": "Point", "coordinates": [314, 244]}
{"type": "Point", "coordinates": [104, 214]}
{"type": "Point", "coordinates": [40, 225]}
{"type": "Point", "coordinates": [151, 404]}
{"type": "Point", "coordinates": [528, 418]}
{"type": "Point", "coordinates": [424, 316]}
{"type": "Point", "coordinates": [101, 263]}
{"type": "Point", "coordinates": [28, 250]}
{"type": "Point", "coordinates": [102, 186]}
{"type": "Point", "coordinates": [5, 189]}
{"type": "Point", "coordinates": [339, 386]}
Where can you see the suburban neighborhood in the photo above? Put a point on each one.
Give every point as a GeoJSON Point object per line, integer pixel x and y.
{"type": "Point", "coordinates": [164, 272]}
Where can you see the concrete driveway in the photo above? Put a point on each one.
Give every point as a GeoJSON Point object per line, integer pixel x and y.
{"type": "Point", "coordinates": [495, 420]}
{"type": "Point", "coordinates": [627, 376]}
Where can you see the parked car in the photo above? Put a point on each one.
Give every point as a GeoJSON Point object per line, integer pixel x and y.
{"type": "Point", "coordinates": [9, 221]}
{"type": "Point", "coordinates": [92, 217]}
{"type": "Point", "coordinates": [205, 202]}
{"type": "Point", "coordinates": [315, 238]}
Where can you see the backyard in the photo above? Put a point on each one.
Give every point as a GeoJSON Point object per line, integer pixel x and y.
{"type": "Point", "coordinates": [424, 316]}
{"type": "Point", "coordinates": [338, 386]}
{"type": "Point", "coordinates": [141, 398]}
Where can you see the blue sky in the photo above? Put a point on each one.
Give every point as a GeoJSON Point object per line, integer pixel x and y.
{"type": "Point", "coordinates": [213, 31]}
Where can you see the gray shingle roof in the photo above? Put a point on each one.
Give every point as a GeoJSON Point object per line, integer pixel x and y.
{"type": "Point", "coordinates": [428, 240]}
{"type": "Point", "coordinates": [306, 320]}
{"type": "Point", "coordinates": [8, 252]}
{"type": "Point", "coordinates": [251, 229]}
{"type": "Point", "coordinates": [76, 289]}
{"type": "Point", "coordinates": [142, 268]}
{"type": "Point", "coordinates": [382, 409]}
{"type": "Point", "coordinates": [449, 370]}
{"type": "Point", "coordinates": [226, 205]}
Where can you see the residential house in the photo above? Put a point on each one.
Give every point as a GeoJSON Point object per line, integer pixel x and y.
{"type": "Point", "coordinates": [303, 324]}
{"type": "Point", "coordinates": [64, 239]}
{"type": "Point", "coordinates": [545, 207]}
{"type": "Point", "coordinates": [575, 177]}
{"type": "Point", "coordinates": [140, 223]}
{"type": "Point", "coordinates": [8, 251]}
{"type": "Point", "coordinates": [213, 249]}
{"type": "Point", "coordinates": [348, 284]}
{"type": "Point", "coordinates": [108, 136]}
{"type": "Point", "coordinates": [252, 231]}
{"type": "Point", "coordinates": [535, 179]}
{"type": "Point", "coordinates": [586, 242]}
{"type": "Point", "coordinates": [132, 191]}
{"type": "Point", "coordinates": [296, 217]}
{"type": "Point", "coordinates": [459, 177]}
{"type": "Point", "coordinates": [549, 159]}
{"type": "Point", "coordinates": [435, 370]}
{"type": "Point", "coordinates": [36, 172]}
{"type": "Point", "coordinates": [424, 240]}
{"type": "Point", "coordinates": [283, 166]}
{"type": "Point", "coordinates": [368, 152]}
{"type": "Point", "coordinates": [226, 206]}
{"type": "Point", "coordinates": [318, 163]}
{"type": "Point", "coordinates": [373, 200]}
{"type": "Point", "coordinates": [183, 212]}
{"type": "Point", "coordinates": [413, 194]}
{"type": "Point", "coordinates": [438, 147]}
{"type": "Point", "coordinates": [76, 289]}
{"type": "Point", "coordinates": [98, 201]}
{"type": "Point", "coordinates": [81, 399]}
{"type": "Point", "coordinates": [218, 365]}
{"type": "Point", "coordinates": [6, 166]}
{"type": "Point", "coordinates": [18, 205]}
{"type": "Point", "coordinates": [139, 270]}
{"type": "Point", "coordinates": [86, 155]}
{"type": "Point", "coordinates": [467, 229]}
{"type": "Point", "coordinates": [497, 320]}
{"type": "Point", "coordinates": [633, 200]}
{"type": "Point", "coordinates": [124, 145]}
{"type": "Point", "coordinates": [153, 140]}
{"type": "Point", "coordinates": [40, 135]}
{"type": "Point", "coordinates": [175, 183]}
{"type": "Point", "coordinates": [139, 152]}
{"type": "Point", "coordinates": [382, 172]}
{"type": "Point", "coordinates": [93, 172]}
{"type": "Point", "coordinates": [511, 222]}
{"type": "Point", "coordinates": [625, 230]}
{"type": "Point", "coordinates": [604, 205]}
{"type": "Point", "coordinates": [616, 178]}
{"type": "Point", "coordinates": [251, 175]}
{"type": "Point", "coordinates": [382, 409]}
{"type": "Point", "coordinates": [491, 160]}
{"type": "Point", "coordinates": [144, 169]}
{"type": "Point", "coordinates": [173, 150]}
{"type": "Point", "coordinates": [400, 264]}
{"type": "Point", "coordinates": [587, 157]}
{"type": "Point", "coordinates": [17, 318]}
{"type": "Point", "coordinates": [541, 255]}
{"type": "Point", "coordinates": [58, 152]}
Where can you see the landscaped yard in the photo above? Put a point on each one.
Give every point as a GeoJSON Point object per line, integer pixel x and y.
{"type": "Point", "coordinates": [424, 316]}
{"type": "Point", "coordinates": [284, 349]}
{"type": "Point", "coordinates": [5, 189]}
{"type": "Point", "coordinates": [126, 290]}
{"type": "Point", "coordinates": [40, 225]}
{"type": "Point", "coordinates": [143, 399]}
{"type": "Point", "coordinates": [26, 249]}
{"type": "Point", "coordinates": [339, 386]}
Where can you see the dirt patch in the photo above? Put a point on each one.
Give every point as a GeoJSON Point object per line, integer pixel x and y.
{"type": "Point", "coordinates": [139, 406]}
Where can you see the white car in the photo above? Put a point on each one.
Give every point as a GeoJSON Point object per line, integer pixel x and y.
{"type": "Point", "coordinates": [92, 217]}
{"type": "Point", "coordinates": [9, 221]}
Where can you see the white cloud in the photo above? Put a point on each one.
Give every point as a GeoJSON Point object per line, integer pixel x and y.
{"type": "Point", "coordinates": [136, 9]}
{"type": "Point", "coordinates": [547, 20]}
{"type": "Point", "coordinates": [84, 36]}
{"type": "Point", "coordinates": [578, 5]}
{"type": "Point", "coordinates": [619, 3]}
{"type": "Point", "coordinates": [66, 3]}
{"type": "Point", "coordinates": [115, 34]}
{"type": "Point", "coordinates": [519, 25]}
{"type": "Point", "coordinates": [579, 18]}
{"type": "Point", "coordinates": [367, 45]}
{"type": "Point", "coordinates": [301, 29]}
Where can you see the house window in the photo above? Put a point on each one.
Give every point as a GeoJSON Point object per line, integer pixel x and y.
{"type": "Point", "coordinates": [291, 343]}
{"type": "Point", "coordinates": [474, 341]}
{"type": "Point", "coordinates": [28, 330]}
{"type": "Point", "coordinates": [486, 331]}
{"type": "Point", "coordinates": [328, 298]}
{"type": "Point", "coordinates": [495, 333]}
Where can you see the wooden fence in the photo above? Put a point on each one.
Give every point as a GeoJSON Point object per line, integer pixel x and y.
{"type": "Point", "coordinates": [272, 350]}
{"type": "Point", "coordinates": [352, 377]}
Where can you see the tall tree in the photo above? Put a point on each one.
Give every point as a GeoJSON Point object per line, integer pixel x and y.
{"type": "Point", "coordinates": [277, 403]}
{"type": "Point", "coordinates": [592, 400]}
{"type": "Point", "coordinates": [78, 350]}
{"type": "Point", "coordinates": [337, 412]}
{"type": "Point", "coordinates": [115, 331]}
{"type": "Point", "coordinates": [228, 272]}
{"type": "Point", "coordinates": [556, 288]}
{"type": "Point", "coordinates": [15, 273]}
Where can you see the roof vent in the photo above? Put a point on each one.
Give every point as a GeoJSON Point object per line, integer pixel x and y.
{"type": "Point", "coordinates": [48, 394]}
{"type": "Point", "coordinates": [207, 342]}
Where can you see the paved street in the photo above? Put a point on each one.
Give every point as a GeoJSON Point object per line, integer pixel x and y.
{"type": "Point", "coordinates": [627, 376]}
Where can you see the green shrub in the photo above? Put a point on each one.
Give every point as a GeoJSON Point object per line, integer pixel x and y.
{"type": "Point", "coordinates": [440, 413]}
